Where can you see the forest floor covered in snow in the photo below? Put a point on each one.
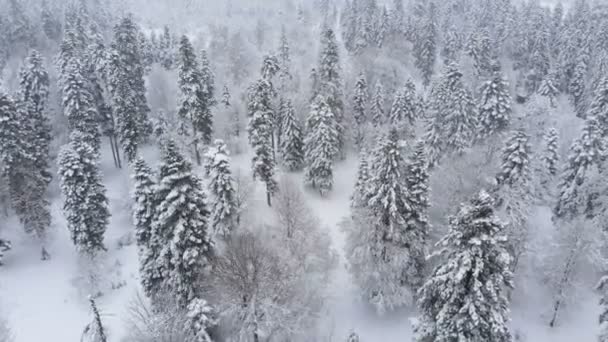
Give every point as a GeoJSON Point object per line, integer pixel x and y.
{"type": "Point", "coordinates": [46, 304]}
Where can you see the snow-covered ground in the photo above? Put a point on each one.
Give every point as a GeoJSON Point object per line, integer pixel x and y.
{"type": "Point", "coordinates": [45, 304]}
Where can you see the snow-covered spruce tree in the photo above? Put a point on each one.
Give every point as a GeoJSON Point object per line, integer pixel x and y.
{"type": "Point", "coordinates": [166, 53]}
{"type": "Point", "coordinates": [127, 87]}
{"type": "Point", "coordinates": [465, 297]}
{"type": "Point", "coordinates": [359, 107]}
{"type": "Point", "coordinates": [204, 122]}
{"type": "Point", "coordinates": [144, 202]}
{"type": "Point", "coordinates": [85, 204]}
{"type": "Point", "coordinates": [425, 45]}
{"type": "Point", "coordinates": [603, 319]}
{"type": "Point", "coordinates": [284, 61]}
{"type": "Point", "coordinates": [599, 105]}
{"type": "Point", "coordinates": [193, 107]}
{"type": "Point", "coordinates": [361, 193]}
{"type": "Point", "coordinates": [548, 88]}
{"type": "Point", "coordinates": [454, 119]}
{"type": "Point", "coordinates": [5, 245]}
{"type": "Point", "coordinates": [417, 184]}
{"type": "Point", "coordinates": [94, 331]}
{"type": "Point", "coordinates": [386, 260]}
{"type": "Point", "coordinates": [403, 110]}
{"type": "Point", "coordinates": [587, 151]}
{"type": "Point", "coordinates": [515, 166]}
{"type": "Point", "coordinates": [221, 187]}
{"type": "Point", "coordinates": [576, 87]}
{"type": "Point", "coordinates": [33, 93]}
{"type": "Point", "coordinates": [321, 145]}
{"type": "Point", "coordinates": [513, 193]}
{"type": "Point", "coordinates": [377, 106]}
{"type": "Point", "coordinates": [549, 159]}
{"type": "Point", "coordinates": [260, 134]}
{"type": "Point", "coordinates": [292, 148]}
{"type": "Point", "coordinates": [199, 319]}
{"type": "Point", "coordinates": [479, 49]}
{"type": "Point", "coordinates": [180, 233]}
{"type": "Point", "coordinates": [494, 106]}
{"type": "Point", "coordinates": [79, 105]}
{"type": "Point", "coordinates": [328, 75]}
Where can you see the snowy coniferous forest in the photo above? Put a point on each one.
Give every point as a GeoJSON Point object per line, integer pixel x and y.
{"type": "Point", "coordinates": [303, 170]}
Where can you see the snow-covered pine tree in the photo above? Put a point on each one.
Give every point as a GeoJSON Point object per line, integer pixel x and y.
{"type": "Point", "coordinates": [94, 331]}
{"type": "Point", "coordinates": [587, 151]}
{"type": "Point", "coordinates": [284, 61]}
{"type": "Point", "coordinates": [417, 185]}
{"type": "Point", "coordinates": [204, 121]}
{"type": "Point", "coordinates": [5, 245]}
{"type": "Point", "coordinates": [221, 187]}
{"type": "Point", "coordinates": [180, 233]}
{"type": "Point", "coordinates": [453, 116]}
{"type": "Point", "coordinates": [577, 84]}
{"type": "Point", "coordinates": [479, 49]}
{"type": "Point", "coordinates": [425, 45]}
{"type": "Point", "coordinates": [403, 110]}
{"type": "Point", "coordinates": [192, 102]}
{"type": "Point", "coordinates": [548, 88]}
{"type": "Point", "coordinates": [51, 25]}
{"type": "Point", "coordinates": [361, 194]}
{"type": "Point", "coordinates": [599, 105]}
{"type": "Point", "coordinates": [550, 158]}
{"type": "Point", "coordinates": [386, 260]}
{"type": "Point", "coordinates": [292, 148]}
{"type": "Point", "coordinates": [167, 49]}
{"type": "Point", "coordinates": [515, 166]}
{"type": "Point", "coordinates": [85, 204]}
{"type": "Point", "coordinates": [128, 88]}
{"type": "Point", "coordinates": [260, 134]}
{"type": "Point", "coordinates": [328, 76]}
{"type": "Point", "coordinates": [199, 319]}
{"type": "Point", "coordinates": [494, 106]}
{"type": "Point", "coordinates": [144, 202]}
{"type": "Point", "coordinates": [321, 145]}
{"type": "Point", "coordinates": [360, 98]}
{"type": "Point", "coordinates": [226, 97]}
{"type": "Point", "coordinates": [33, 206]}
{"type": "Point", "coordinates": [452, 306]}
{"type": "Point", "coordinates": [79, 105]}
{"type": "Point", "coordinates": [603, 319]}
{"type": "Point", "coordinates": [377, 106]}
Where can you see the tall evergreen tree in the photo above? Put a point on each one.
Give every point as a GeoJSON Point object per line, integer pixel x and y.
{"type": "Point", "coordinates": [494, 106]}
{"type": "Point", "coordinates": [221, 186]}
{"type": "Point", "coordinates": [425, 46]}
{"type": "Point", "coordinates": [180, 232]}
{"type": "Point", "coordinates": [127, 87]}
{"type": "Point", "coordinates": [329, 80]}
{"type": "Point", "coordinates": [403, 110]}
{"type": "Point", "coordinates": [34, 92]}
{"type": "Point", "coordinates": [360, 98]}
{"type": "Point", "coordinates": [465, 297]}
{"type": "Point", "coordinates": [515, 166]}
{"type": "Point", "coordinates": [321, 146]}
{"type": "Point", "coordinates": [85, 204]}
{"type": "Point", "coordinates": [599, 105]}
{"type": "Point", "coordinates": [548, 88]}
{"type": "Point", "coordinates": [167, 49]}
{"type": "Point", "coordinates": [204, 122]}
{"type": "Point", "coordinates": [361, 193]}
{"type": "Point", "coordinates": [586, 152]}
{"type": "Point", "coordinates": [144, 198]}
{"type": "Point", "coordinates": [377, 106]}
{"type": "Point", "coordinates": [260, 134]}
{"type": "Point", "coordinates": [417, 184]}
{"type": "Point", "coordinates": [79, 105]}
{"type": "Point", "coordinates": [550, 157]}
{"type": "Point", "coordinates": [292, 142]}
{"type": "Point", "coordinates": [454, 116]}
{"type": "Point", "coordinates": [193, 107]}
